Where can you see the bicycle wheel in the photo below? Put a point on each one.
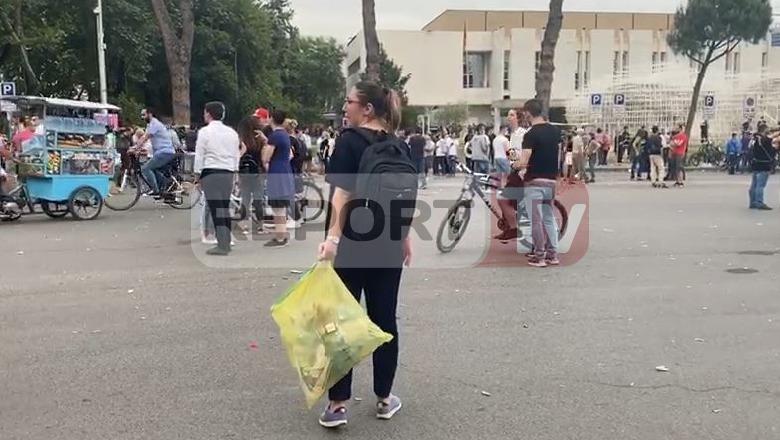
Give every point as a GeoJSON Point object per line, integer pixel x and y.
{"type": "Point", "coordinates": [85, 203]}
{"type": "Point", "coordinates": [313, 203]}
{"type": "Point", "coordinates": [125, 195]}
{"type": "Point", "coordinates": [184, 196]}
{"type": "Point", "coordinates": [453, 227]}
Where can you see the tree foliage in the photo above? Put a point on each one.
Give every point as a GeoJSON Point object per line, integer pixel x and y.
{"type": "Point", "coordinates": [246, 53]}
{"type": "Point", "coordinates": [391, 75]}
{"type": "Point", "coordinates": [707, 30]}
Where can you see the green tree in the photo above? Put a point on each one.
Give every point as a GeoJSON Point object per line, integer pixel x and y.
{"type": "Point", "coordinates": [706, 30]}
{"type": "Point", "coordinates": [316, 71]}
{"type": "Point", "coordinates": [452, 117]}
{"type": "Point", "coordinates": [391, 76]}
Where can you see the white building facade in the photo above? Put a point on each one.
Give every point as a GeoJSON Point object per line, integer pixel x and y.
{"type": "Point", "coordinates": [488, 59]}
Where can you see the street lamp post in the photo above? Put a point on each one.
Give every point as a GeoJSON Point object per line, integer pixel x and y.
{"type": "Point", "coordinates": [101, 46]}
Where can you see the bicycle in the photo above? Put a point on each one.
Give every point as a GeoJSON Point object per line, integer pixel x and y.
{"type": "Point", "coordinates": [124, 194]}
{"type": "Point", "coordinates": [309, 204]}
{"type": "Point", "coordinates": [454, 225]}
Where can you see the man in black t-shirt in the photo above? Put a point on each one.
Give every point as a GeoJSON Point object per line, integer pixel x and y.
{"type": "Point", "coordinates": [542, 142]}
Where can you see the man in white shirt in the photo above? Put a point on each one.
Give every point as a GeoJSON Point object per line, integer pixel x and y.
{"type": "Point", "coordinates": [440, 166]}
{"type": "Point", "coordinates": [452, 155]}
{"type": "Point", "coordinates": [216, 161]}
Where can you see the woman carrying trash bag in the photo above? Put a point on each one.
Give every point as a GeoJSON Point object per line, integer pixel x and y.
{"type": "Point", "coordinates": [372, 267]}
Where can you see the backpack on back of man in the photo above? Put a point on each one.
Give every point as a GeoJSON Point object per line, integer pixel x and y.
{"type": "Point", "coordinates": [387, 178]}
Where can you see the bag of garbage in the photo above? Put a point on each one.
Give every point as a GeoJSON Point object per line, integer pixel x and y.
{"type": "Point", "coordinates": [324, 329]}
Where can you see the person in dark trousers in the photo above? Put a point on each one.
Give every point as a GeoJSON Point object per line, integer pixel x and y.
{"type": "Point", "coordinates": [375, 111]}
{"type": "Point", "coordinates": [417, 147]}
{"type": "Point", "coordinates": [623, 143]}
{"type": "Point", "coordinates": [733, 150]}
{"type": "Point", "coordinates": [216, 162]}
{"type": "Point", "coordinates": [763, 162]}
{"type": "Point", "coordinates": [250, 172]}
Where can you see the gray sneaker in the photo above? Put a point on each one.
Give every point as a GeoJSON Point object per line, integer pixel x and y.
{"type": "Point", "coordinates": [333, 418]}
{"type": "Point", "coordinates": [386, 411]}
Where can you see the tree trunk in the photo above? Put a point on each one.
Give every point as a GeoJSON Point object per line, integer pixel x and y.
{"type": "Point", "coordinates": [16, 31]}
{"type": "Point", "coordinates": [178, 54]}
{"type": "Point", "coordinates": [697, 91]}
{"type": "Point", "coordinates": [544, 78]}
{"type": "Point", "coordinates": [180, 92]}
{"type": "Point", "coordinates": [371, 40]}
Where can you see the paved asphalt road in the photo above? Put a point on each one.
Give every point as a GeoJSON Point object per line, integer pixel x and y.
{"type": "Point", "coordinates": [114, 330]}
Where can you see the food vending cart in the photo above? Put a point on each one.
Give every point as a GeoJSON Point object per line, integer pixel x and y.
{"type": "Point", "coordinates": [67, 165]}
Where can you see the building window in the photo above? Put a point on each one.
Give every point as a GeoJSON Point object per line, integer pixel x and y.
{"type": "Point", "coordinates": [354, 67]}
{"type": "Point", "coordinates": [655, 59]}
{"type": "Point", "coordinates": [476, 70]}
{"type": "Point", "coordinates": [764, 60]}
{"type": "Point", "coordinates": [663, 57]}
{"type": "Point", "coordinates": [728, 63]}
{"type": "Point", "coordinates": [506, 70]}
{"type": "Point", "coordinates": [625, 66]}
{"type": "Point", "coordinates": [578, 72]}
{"type": "Point", "coordinates": [737, 59]}
{"type": "Point", "coordinates": [586, 74]}
{"type": "Point", "coordinates": [616, 64]}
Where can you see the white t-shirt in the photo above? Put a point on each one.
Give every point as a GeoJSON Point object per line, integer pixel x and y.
{"type": "Point", "coordinates": [516, 142]}
{"type": "Point", "coordinates": [500, 146]}
{"type": "Point", "coordinates": [453, 149]}
{"type": "Point", "coordinates": [441, 148]}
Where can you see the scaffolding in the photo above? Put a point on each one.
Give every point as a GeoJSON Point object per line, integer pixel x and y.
{"type": "Point", "coordinates": [662, 97]}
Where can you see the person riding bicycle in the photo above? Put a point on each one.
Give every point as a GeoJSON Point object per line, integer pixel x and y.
{"type": "Point", "coordinates": [163, 152]}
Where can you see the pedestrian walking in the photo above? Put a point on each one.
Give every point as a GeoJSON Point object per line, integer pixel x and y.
{"type": "Point", "coordinates": [440, 164]}
{"type": "Point", "coordinates": [733, 149]}
{"type": "Point", "coordinates": [280, 184]}
{"type": "Point", "coordinates": [251, 175]}
{"type": "Point", "coordinates": [417, 148]}
{"type": "Point", "coordinates": [216, 162]}
{"type": "Point", "coordinates": [452, 156]}
{"type": "Point", "coordinates": [430, 151]}
{"type": "Point", "coordinates": [375, 112]}
{"type": "Point", "coordinates": [679, 150]}
{"type": "Point", "coordinates": [623, 144]}
{"type": "Point", "coordinates": [592, 152]}
{"type": "Point", "coordinates": [655, 152]}
{"type": "Point", "coordinates": [480, 151]}
{"type": "Point", "coordinates": [578, 144]}
{"type": "Point", "coordinates": [635, 153]}
{"type": "Point", "coordinates": [764, 156]}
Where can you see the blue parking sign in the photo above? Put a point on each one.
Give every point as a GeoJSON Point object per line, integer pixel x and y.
{"type": "Point", "coordinates": [596, 99]}
{"type": "Point", "coordinates": [8, 89]}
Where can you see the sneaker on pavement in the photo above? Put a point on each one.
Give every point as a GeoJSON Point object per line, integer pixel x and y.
{"type": "Point", "coordinates": [218, 251]}
{"type": "Point", "coordinates": [764, 207]}
{"type": "Point", "coordinates": [386, 410]}
{"type": "Point", "coordinates": [208, 239]}
{"type": "Point", "coordinates": [333, 418]}
{"type": "Point", "coordinates": [275, 244]}
{"type": "Point", "coordinates": [537, 262]}
{"type": "Point", "coordinates": [552, 261]}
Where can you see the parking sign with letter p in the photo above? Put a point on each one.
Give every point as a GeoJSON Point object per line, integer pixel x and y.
{"type": "Point", "coordinates": [8, 89]}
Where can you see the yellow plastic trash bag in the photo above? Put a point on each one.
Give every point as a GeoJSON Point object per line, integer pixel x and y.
{"type": "Point", "coordinates": [326, 332]}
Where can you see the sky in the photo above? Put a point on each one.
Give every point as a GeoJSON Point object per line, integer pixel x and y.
{"type": "Point", "coordinates": [342, 18]}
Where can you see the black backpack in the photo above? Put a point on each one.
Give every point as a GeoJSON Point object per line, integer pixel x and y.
{"type": "Point", "coordinates": [387, 178]}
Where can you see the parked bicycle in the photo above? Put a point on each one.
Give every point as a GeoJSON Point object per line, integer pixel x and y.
{"type": "Point", "coordinates": [453, 227]}
{"type": "Point", "coordinates": [308, 206]}
{"type": "Point", "coordinates": [127, 190]}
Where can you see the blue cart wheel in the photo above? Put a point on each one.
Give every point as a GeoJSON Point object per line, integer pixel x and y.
{"type": "Point", "coordinates": [54, 210]}
{"type": "Point", "coordinates": [85, 203]}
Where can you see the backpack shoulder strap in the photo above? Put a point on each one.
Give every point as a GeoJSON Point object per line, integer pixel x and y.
{"type": "Point", "coordinates": [368, 135]}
